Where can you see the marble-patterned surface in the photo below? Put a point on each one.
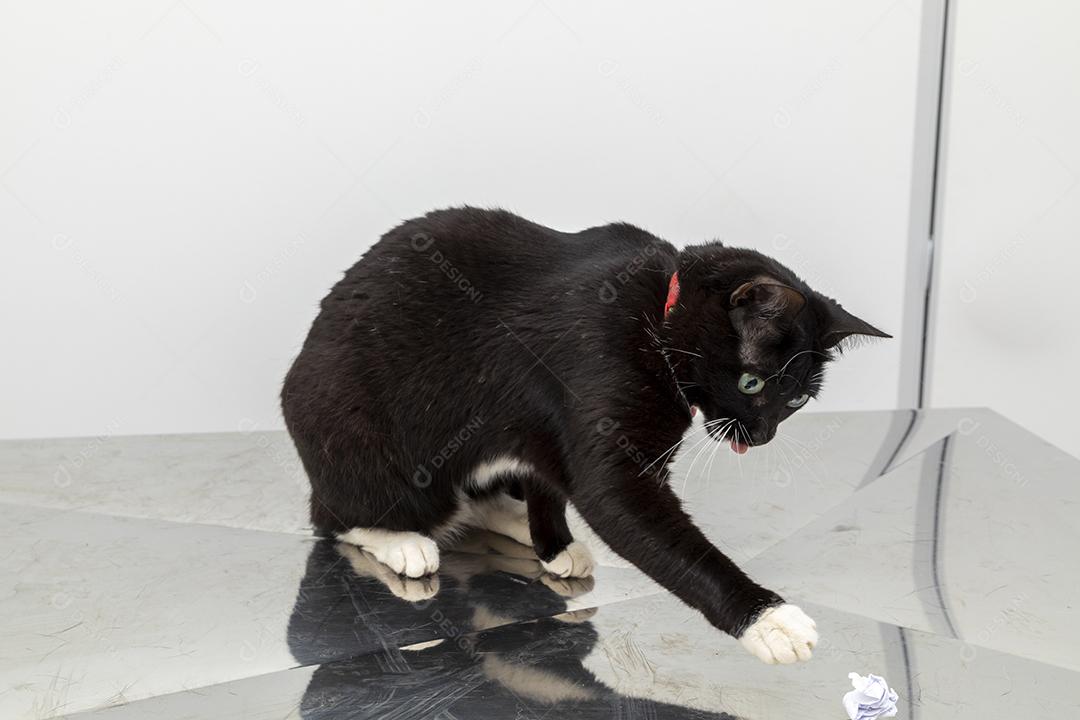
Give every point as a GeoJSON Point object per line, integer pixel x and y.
{"type": "Point", "coordinates": [173, 577]}
{"type": "Point", "coordinates": [100, 610]}
{"type": "Point", "coordinates": [243, 479]}
{"type": "Point", "coordinates": [974, 539]}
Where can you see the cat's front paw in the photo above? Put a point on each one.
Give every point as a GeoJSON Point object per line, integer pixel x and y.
{"type": "Point", "coordinates": [409, 554]}
{"type": "Point", "coordinates": [575, 561]}
{"type": "Point", "coordinates": [781, 634]}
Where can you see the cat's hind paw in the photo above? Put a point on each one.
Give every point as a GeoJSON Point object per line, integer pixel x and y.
{"type": "Point", "coordinates": [575, 561]}
{"type": "Point", "coordinates": [782, 634]}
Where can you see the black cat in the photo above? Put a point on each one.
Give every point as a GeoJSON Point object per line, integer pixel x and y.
{"type": "Point", "coordinates": [472, 357]}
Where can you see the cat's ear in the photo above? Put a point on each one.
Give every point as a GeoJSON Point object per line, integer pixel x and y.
{"type": "Point", "coordinates": [839, 325]}
{"type": "Point", "coordinates": [765, 300]}
{"type": "Point", "coordinates": [762, 308]}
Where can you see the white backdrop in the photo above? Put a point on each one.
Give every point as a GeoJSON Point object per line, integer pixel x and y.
{"type": "Point", "coordinates": [1006, 297]}
{"type": "Point", "coordinates": [183, 181]}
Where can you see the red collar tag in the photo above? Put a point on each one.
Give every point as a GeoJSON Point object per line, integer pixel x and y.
{"type": "Point", "coordinates": [672, 294]}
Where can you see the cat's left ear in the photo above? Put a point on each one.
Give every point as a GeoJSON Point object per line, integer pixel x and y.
{"type": "Point", "coordinates": [763, 307]}
{"type": "Point", "coordinates": [767, 299]}
{"type": "Point", "coordinates": [839, 325]}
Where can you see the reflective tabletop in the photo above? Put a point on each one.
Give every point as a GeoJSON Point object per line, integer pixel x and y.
{"type": "Point", "coordinates": [175, 577]}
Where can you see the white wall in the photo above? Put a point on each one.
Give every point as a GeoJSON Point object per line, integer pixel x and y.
{"type": "Point", "coordinates": [1006, 291]}
{"type": "Point", "coordinates": [182, 182]}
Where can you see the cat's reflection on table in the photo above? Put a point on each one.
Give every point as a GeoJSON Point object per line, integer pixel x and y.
{"type": "Point", "coordinates": [489, 636]}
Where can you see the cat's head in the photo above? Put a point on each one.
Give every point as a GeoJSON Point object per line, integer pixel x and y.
{"type": "Point", "coordinates": [749, 340]}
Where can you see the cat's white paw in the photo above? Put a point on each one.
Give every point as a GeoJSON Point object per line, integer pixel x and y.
{"type": "Point", "coordinates": [574, 561]}
{"type": "Point", "coordinates": [406, 553]}
{"type": "Point", "coordinates": [782, 634]}
{"type": "Point", "coordinates": [411, 555]}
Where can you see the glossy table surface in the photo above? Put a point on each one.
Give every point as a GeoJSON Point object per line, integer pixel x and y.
{"type": "Point", "coordinates": [175, 577]}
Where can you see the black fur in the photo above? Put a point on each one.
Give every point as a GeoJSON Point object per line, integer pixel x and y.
{"type": "Point", "coordinates": [469, 334]}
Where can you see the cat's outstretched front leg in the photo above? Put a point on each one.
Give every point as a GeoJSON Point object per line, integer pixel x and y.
{"type": "Point", "coordinates": [643, 520]}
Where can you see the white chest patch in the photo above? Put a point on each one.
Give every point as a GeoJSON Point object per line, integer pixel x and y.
{"type": "Point", "coordinates": [487, 471]}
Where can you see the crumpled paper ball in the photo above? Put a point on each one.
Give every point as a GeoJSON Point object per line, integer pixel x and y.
{"type": "Point", "coordinates": [872, 698]}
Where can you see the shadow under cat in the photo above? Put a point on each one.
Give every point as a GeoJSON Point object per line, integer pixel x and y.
{"type": "Point", "coordinates": [489, 636]}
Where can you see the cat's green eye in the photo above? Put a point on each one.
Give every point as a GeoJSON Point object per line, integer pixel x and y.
{"type": "Point", "coordinates": [750, 384]}
{"type": "Point", "coordinates": [798, 402]}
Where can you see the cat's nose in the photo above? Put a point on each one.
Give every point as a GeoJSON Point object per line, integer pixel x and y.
{"type": "Point", "coordinates": [762, 432]}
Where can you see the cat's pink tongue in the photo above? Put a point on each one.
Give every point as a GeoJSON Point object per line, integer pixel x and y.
{"type": "Point", "coordinates": [739, 447]}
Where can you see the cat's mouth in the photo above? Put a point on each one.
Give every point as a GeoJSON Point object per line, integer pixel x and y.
{"type": "Point", "coordinates": [730, 431]}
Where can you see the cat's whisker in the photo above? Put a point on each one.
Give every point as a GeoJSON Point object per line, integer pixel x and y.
{"type": "Point", "coordinates": [690, 470]}
{"type": "Point", "coordinates": [699, 442]}
{"type": "Point", "coordinates": [801, 463]}
{"type": "Point", "coordinates": [791, 462]}
{"type": "Point", "coordinates": [683, 450]}
{"type": "Point", "coordinates": [712, 459]}
{"type": "Point", "coordinates": [708, 435]}
{"type": "Point", "coordinates": [782, 452]}
{"type": "Point", "coordinates": [669, 451]}
{"type": "Point", "coordinates": [721, 432]}
{"type": "Point", "coordinates": [802, 451]}
{"type": "Point", "coordinates": [797, 442]}
{"type": "Point", "coordinates": [773, 465]}
{"type": "Point", "coordinates": [813, 453]}
{"type": "Point", "coordinates": [703, 477]}
{"type": "Point", "coordinates": [791, 437]}
{"type": "Point", "coordinates": [708, 424]}
{"type": "Point", "coordinates": [715, 448]}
